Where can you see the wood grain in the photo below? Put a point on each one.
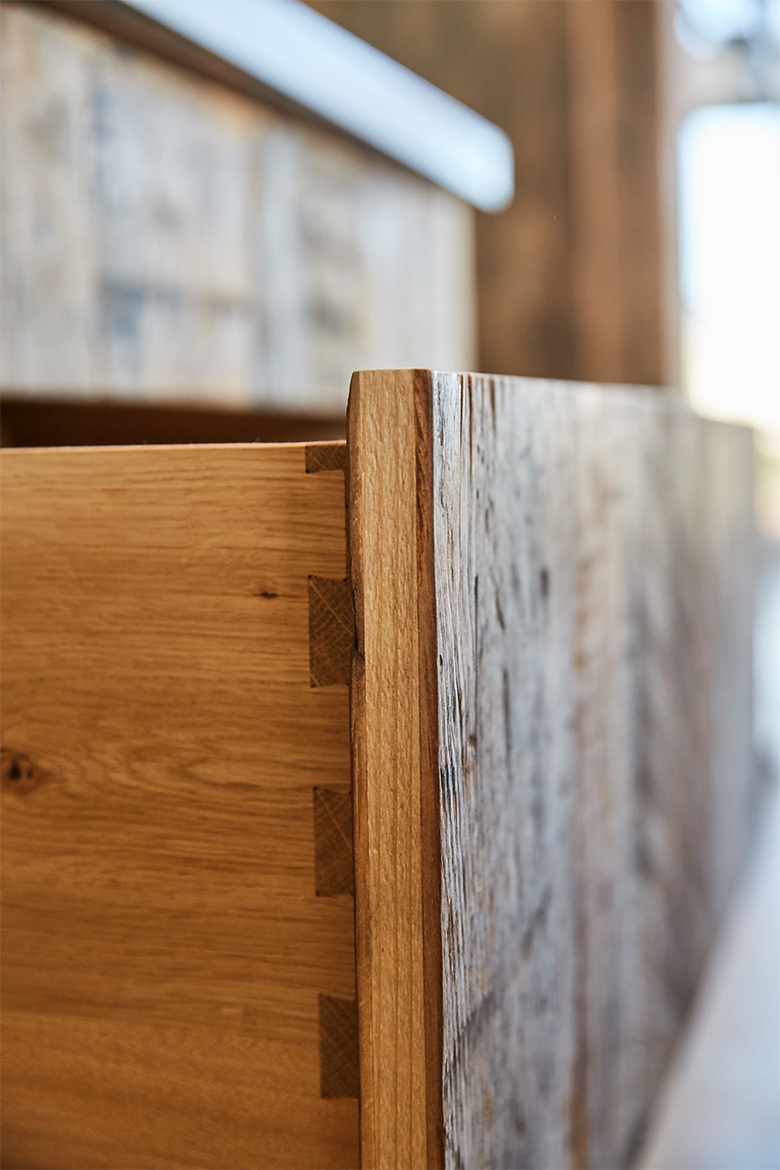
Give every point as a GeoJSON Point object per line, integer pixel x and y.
{"type": "Point", "coordinates": [570, 280]}
{"type": "Point", "coordinates": [164, 947]}
{"type": "Point", "coordinates": [395, 789]}
{"type": "Point", "coordinates": [169, 239]}
{"type": "Point", "coordinates": [339, 1063]}
{"type": "Point", "coordinates": [326, 457]}
{"type": "Point", "coordinates": [331, 631]}
{"type": "Point", "coordinates": [333, 851]}
{"type": "Point", "coordinates": [591, 553]}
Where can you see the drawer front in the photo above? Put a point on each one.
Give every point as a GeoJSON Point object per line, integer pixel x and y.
{"type": "Point", "coordinates": [553, 780]}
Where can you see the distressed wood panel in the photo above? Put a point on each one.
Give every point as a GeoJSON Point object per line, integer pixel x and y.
{"type": "Point", "coordinates": [592, 558]}
{"type": "Point", "coordinates": [166, 238]}
{"type": "Point", "coordinates": [166, 954]}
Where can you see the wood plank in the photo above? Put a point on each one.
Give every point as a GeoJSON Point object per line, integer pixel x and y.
{"type": "Point", "coordinates": [394, 784]}
{"type": "Point", "coordinates": [291, 58]}
{"type": "Point", "coordinates": [165, 949]}
{"type": "Point", "coordinates": [171, 240]}
{"type": "Point", "coordinates": [592, 557]}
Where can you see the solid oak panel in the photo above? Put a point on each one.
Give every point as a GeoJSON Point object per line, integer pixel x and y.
{"type": "Point", "coordinates": [164, 947]}
{"type": "Point", "coordinates": [591, 556]}
{"type": "Point", "coordinates": [393, 774]}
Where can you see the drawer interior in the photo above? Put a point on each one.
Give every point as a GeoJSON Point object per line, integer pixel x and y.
{"type": "Point", "coordinates": [59, 422]}
{"type": "Point", "coordinates": [178, 910]}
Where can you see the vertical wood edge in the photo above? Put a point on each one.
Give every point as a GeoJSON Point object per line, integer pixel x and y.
{"type": "Point", "coordinates": [358, 771]}
{"type": "Point", "coordinates": [401, 1119]}
{"type": "Point", "coordinates": [429, 767]}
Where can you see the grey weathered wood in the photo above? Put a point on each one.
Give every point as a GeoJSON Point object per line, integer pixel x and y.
{"type": "Point", "coordinates": [593, 569]}
{"type": "Point", "coordinates": [290, 56]}
{"type": "Point", "coordinates": [592, 556]}
{"type": "Point", "coordinates": [165, 238]}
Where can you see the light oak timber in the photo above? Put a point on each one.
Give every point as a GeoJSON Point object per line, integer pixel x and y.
{"type": "Point", "coordinates": [331, 631]}
{"type": "Point", "coordinates": [166, 954]}
{"type": "Point", "coordinates": [395, 788]}
{"type": "Point", "coordinates": [339, 1065]}
{"type": "Point", "coordinates": [333, 852]}
{"type": "Point", "coordinates": [551, 754]}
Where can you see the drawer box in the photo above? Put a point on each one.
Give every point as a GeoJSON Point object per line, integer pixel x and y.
{"type": "Point", "coordinates": [376, 820]}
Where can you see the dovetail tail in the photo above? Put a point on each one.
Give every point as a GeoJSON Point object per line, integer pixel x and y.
{"type": "Point", "coordinates": [333, 852]}
{"type": "Point", "coordinates": [326, 457]}
{"type": "Point", "coordinates": [339, 1061]}
{"type": "Point", "coordinates": [331, 631]}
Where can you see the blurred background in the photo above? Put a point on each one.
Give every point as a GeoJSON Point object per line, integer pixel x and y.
{"type": "Point", "coordinates": [200, 245]}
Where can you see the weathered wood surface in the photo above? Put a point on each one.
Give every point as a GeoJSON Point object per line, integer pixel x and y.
{"type": "Point", "coordinates": [594, 624]}
{"type": "Point", "coordinates": [175, 992]}
{"type": "Point", "coordinates": [592, 554]}
{"type": "Point", "coordinates": [166, 238]}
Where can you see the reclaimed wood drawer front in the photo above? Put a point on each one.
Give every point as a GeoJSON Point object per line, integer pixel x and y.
{"type": "Point", "coordinates": [500, 858]}
{"type": "Point", "coordinates": [176, 992]}
{"type": "Point", "coordinates": [552, 773]}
